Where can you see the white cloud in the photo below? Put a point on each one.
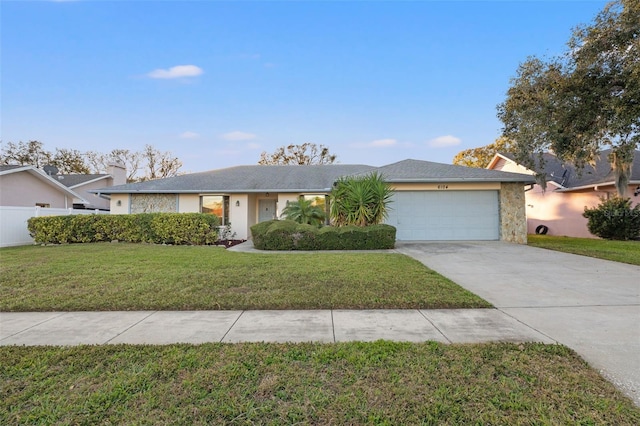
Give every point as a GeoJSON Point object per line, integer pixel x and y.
{"type": "Point", "coordinates": [444, 141]}
{"type": "Point", "coordinates": [253, 146]}
{"type": "Point", "coordinates": [189, 135]}
{"type": "Point", "coordinates": [238, 136]}
{"type": "Point", "coordinates": [177, 72]}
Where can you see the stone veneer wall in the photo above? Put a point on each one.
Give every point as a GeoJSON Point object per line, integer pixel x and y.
{"type": "Point", "coordinates": [513, 215]}
{"type": "Point", "coordinates": [154, 203]}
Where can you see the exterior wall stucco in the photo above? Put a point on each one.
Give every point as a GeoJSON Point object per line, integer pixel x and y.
{"type": "Point", "coordinates": [561, 212]}
{"type": "Point", "coordinates": [94, 200]}
{"type": "Point", "coordinates": [283, 199]}
{"type": "Point", "coordinates": [239, 215]}
{"type": "Point", "coordinates": [124, 206]}
{"type": "Point", "coordinates": [513, 219]}
{"type": "Point", "coordinates": [448, 186]}
{"type": "Point", "coordinates": [154, 203]}
{"type": "Point", "coordinates": [188, 203]}
{"type": "Point", "coordinates": [22, 189]}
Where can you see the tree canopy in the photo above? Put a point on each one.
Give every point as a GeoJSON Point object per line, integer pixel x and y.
{"type": "Point", "coordinates": [482, 156]}
{"type": "Point", "coordinates": [584, 101]}
{"type": "Point", "coordinates": [149, 163]}
{"type": "Point", "coordinates": [305, 154]}
{"type": "Point", "coordinates": [32, 153]}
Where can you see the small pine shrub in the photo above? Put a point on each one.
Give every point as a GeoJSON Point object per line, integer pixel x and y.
{"type": "Point", "coordinates": [614, 219]}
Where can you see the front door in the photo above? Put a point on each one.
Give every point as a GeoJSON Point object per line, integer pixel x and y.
{"type": "Point", "coordinates": [267, 210]}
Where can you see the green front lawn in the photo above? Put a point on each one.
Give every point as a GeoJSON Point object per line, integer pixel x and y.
{"type": "Point", "coordinates": [618, 251]}
{"type": "Point", "coordinates": [118, 276]}
{"type": "Point", "coordinates": [346, 383]}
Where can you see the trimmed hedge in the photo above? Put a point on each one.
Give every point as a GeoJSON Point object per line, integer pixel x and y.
{"type": "Point", "coordinates": [158, 228]}
{"type": "Point", "coordinates": [289, 235]}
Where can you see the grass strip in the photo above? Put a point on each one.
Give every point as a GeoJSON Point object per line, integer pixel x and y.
{"type": "Point", "coordinates": [117, 276]}
{"type": "Point", "coordinates": [618, 251]}
{"type": "Point", "coordinates": [346, 383]}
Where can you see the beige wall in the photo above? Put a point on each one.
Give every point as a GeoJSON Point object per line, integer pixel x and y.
{"type": "Point", "coordinates": [188, 203]}
{"type": "Point", "coordinates": [510, 166]}
{"type": "Point", "coordinates": [283, 199]}
{"type": "Point", "coordinates": [123, 208]}
{"type": "Point", "coordinates": [444, 186]}
{"type": "Point", "coordinates": [239, 215]}
{"type": "Point", "coordinates": [22, 189]}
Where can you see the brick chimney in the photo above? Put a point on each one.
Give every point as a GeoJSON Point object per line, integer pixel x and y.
{"type": "Point", "coordinates": [118, 172]}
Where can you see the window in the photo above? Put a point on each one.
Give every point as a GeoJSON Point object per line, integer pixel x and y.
{"type": "Point", "coordinates": [216, 204]}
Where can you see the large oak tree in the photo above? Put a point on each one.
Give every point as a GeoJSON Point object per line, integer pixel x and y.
{"type": "Point", "coordinates": [482, 156]}
{"type": "Point", "coordinates": [584, 101]}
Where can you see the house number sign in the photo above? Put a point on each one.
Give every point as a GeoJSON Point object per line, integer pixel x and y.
{"type": "Point", "coordinates": [443, 186]}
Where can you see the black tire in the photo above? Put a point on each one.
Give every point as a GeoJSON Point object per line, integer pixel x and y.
{"type": "Point", "coordinates": [542, 230]}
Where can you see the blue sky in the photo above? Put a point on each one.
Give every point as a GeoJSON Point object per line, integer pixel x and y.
{"type": "Point", "coordinates": [216, 83]}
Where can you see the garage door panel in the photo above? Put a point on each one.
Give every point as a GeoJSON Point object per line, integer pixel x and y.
{"type": "Point", "coordinates": [445, 215]}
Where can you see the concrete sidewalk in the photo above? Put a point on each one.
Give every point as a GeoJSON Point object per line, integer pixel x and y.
{"type": "Point", "coordinates": [163, 327]}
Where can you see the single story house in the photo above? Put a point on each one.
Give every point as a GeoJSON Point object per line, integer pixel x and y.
{"type": "Point", "coordinates": [28, 186]}
{"type": "Point", "coordinates": [432, 201]}
{"type": "Point", "coordinates": [558, 209]}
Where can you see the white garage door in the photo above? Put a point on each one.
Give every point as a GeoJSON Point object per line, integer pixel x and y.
{"type": "Point", "coordinates": [445, 215]}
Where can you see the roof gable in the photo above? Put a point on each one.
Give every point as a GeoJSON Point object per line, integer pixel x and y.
{"type": "Point", "coordinates": [49, 180]}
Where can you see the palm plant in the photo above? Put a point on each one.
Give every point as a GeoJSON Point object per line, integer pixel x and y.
{"type": "Point", "coordinates": [360, 201]}
{"type": "Point", "coordinates": [303, 211]}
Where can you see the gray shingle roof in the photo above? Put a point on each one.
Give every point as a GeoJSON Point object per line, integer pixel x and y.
{"type": "Point", "coordinates": [73, 180]}
{"type": "Point", "coordinates": [427, 171]}
{"type": "Point", "coordinates": [247, 179]}
{"type": "Point", "coordinates": [566, 175]}
{"type": "Point", "coordinates": [5, 167]}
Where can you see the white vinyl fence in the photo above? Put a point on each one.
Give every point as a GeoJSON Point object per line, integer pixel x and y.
{"type": "Point", "coordinates": [13, 222]}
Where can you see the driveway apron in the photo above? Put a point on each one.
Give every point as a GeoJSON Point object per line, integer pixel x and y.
{"type": "Point", "coordinates": [587, 304]}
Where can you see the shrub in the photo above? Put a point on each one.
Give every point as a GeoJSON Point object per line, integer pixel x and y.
{"type": "Point", "coordinates": [360, 200]}
{"type": "Point", "coordinates": [614, 219]}
{"type": "Point", "coordinates": [186, 228]}
{"type": "Point", "coordinates": [289, 235]}
{"type": "Point", "coordinates": [169, 228]}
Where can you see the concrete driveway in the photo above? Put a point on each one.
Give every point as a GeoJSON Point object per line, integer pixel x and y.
{"type": "Point", "coordinates": [589, 305]}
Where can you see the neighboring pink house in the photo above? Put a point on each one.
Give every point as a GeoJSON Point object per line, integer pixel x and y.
{"type": "Point", "coordinates": [568, 192]}
{"type": "Point", "coordinates": [28, 186]}
{"type": "Point", "coordinates": [84, 185]}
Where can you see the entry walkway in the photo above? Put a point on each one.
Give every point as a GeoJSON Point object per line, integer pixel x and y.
{"type": "Point", "coordinates": [164, 327]}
